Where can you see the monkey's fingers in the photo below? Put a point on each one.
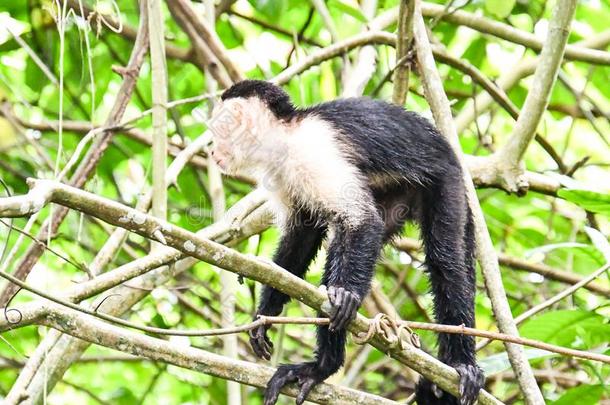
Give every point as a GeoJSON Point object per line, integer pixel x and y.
{"type": "Point", "coordinates": [472, 380]}
{"type": "Point", "coordinates": [350, 313]}
{"type": "Point", "coordinates": [260, 342]}
{"type": "Point", "coordinates": [332, 295]}
{"type": "Point", "coordinates": [345, 305]}
{"type": "Point", "coordinates": [306, 385]}
{"type": "Point", "coordinates": [285, 374]}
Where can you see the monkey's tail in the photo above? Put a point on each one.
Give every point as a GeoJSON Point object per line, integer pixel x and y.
{"type": "Point", "coordinates": [448, 232]}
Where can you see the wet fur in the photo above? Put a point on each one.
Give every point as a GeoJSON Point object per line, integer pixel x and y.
{"type": "Point", "coordinates": [361, 168]}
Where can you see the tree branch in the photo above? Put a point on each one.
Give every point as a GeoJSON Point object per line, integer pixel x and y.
{"type": "Point", "coordinates": [403, 43]}
{"type": "Point", "coordinates": [209, 37]}
{"type": "Point", "coordinates": [244, 219]}
{"type": "Point", "coordinates": [509, 157]}
{"type": "Point", "coordinates": [511, 34]}
{"type": "Point", "coordinates": [159, 113]}
{"type": "Point", "coordinates": [97, 332]}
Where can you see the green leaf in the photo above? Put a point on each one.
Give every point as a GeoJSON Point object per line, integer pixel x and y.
{"type": "Point", "coordinates": [599, 241]}
{"type": "Point", "coordinates": [328, 86]}
{"type": "Point", "coordinates": [270, 8]}
{"type": "Point", "coordinates": [497, 363]}
{"type": "Point", "coordinates": [581, 395]}
{"type": "Point", "coordinates": [34, 77]}
{"type": "Point", "coordinates": [499, 8]}
{"type": "Point", "coordinates": [476, 51]}
{"type": "Point", "coordinates": [568, 328]}
{"type": "Point", "coordinates": [231, 38]}
{"type": "Point", "coordinates": [589, 200]}
{"type": "Point", "coordinates": [348, 9]}
{"type": "Point", "coordinates": [123, 396]}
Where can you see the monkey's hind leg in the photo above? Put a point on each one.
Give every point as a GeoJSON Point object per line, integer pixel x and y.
{"type": "Point", "coordinates": [448, 233]}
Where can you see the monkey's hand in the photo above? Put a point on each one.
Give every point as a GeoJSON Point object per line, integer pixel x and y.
{"type": "Point", "coordinates": [472, 380]}
{"type": "Point", "coordinates": [260, 342]}
{"type": "Point", "coordinates": [344, 307]}
{"type": "Point", "coordinates": [306, 375]}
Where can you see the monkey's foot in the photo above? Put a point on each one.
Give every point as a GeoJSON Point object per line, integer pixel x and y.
{"type": "Point", "coordinates": [472, 380]}
{"type": "Point", "coordinates": [344, 305]}
{"type": "Point", "coordinates": [260, 342]}
{"type": "Point", "coordinates": [306, 375]}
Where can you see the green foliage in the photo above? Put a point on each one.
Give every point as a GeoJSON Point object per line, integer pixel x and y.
{"type": "Point", "coordinates": [583, 395]}
{"type": "Point", "coordinates": [541, 229]}
{"type": "Point", "coordinates": [348, 9]}
{"type": "Point", "coordinates": [576, 328]}
{"type": "Point", "coordinates": [589, 200]}
{"type": "Point", "coordinates": [499, 8]}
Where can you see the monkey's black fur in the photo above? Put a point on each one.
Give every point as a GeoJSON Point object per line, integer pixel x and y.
{"type": "Point", "coordinates": [427, 187]}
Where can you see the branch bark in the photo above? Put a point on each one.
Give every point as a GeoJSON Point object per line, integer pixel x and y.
{"type": "Point", "coordinates": [510, 156]}
{"type": "Point", "coordinates": [151, 271]}
{"type": "Point", "coordinates": [511, 34]}
{"type": "Point", "coordinates": [204, 56]}
{"type": "Point", "coordinates": [101, 333]}
{"type": "Point", "coordinates": [403, 43]}
{"type": "Point", "coordinates": [159, 115]}
{"type": "Point", "coordinates": [209, 37]}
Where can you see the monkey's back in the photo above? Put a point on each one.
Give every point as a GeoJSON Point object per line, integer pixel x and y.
{"type": "Point", "coordinates": [383, 138]}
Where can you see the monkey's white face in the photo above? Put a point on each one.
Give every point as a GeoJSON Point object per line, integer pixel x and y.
{"type": "Point", "coordinates": [241, 129]}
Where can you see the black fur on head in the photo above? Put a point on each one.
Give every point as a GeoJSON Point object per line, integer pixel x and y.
{"type": "Point", "coordinates": [274, 96]}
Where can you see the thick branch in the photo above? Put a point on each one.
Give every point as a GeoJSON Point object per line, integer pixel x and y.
{"type": "Point", "coordinates": [97, 332]}
{"type": "Point", "coordinates": [203, 55]}
{"type": "Point", "coordinates": [241, 221]}
{"type": "Point", "coordinates": [159, 114]}
{"type": "Point", "coordinates": [538, 97]}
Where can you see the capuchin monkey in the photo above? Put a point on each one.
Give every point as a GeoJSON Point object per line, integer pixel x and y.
{"type": "Point", "coordinates": [353, 170]}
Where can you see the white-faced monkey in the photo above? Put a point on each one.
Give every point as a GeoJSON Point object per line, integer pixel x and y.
{"type": "Point", "coordinates": [355, 169]}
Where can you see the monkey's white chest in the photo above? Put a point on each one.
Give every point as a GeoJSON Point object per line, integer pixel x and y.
{"type": "Point", "coordinates": [314, 173]}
